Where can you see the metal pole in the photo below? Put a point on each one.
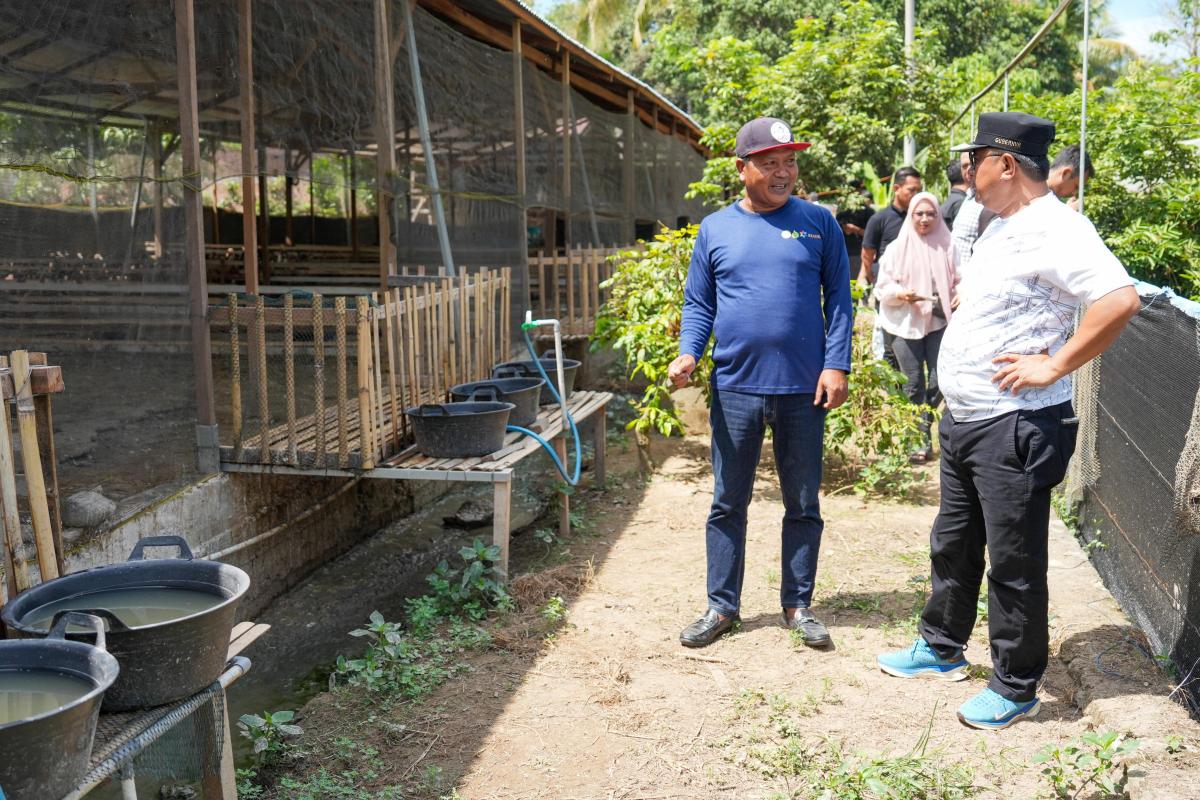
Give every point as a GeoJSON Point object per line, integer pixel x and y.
{"type": "Point", "coordinates": [1006, 91]}
{"type": "Point", "coordinates": [910, 13]}
{"type": "Point", "coordinates": [1083, 104]}
{"type": "Point", "coordinates": [414, 64]}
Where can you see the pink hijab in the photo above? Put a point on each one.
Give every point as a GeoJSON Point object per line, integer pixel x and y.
{"type": "Point", "coordinates": [924, 264]}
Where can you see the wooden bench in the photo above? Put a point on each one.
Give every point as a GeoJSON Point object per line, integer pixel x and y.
{"type": "Point", "coordinates": [495, 468]}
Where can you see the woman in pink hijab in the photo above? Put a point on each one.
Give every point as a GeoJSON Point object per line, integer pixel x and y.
{"type": "Point", "coordinates": [916, 289]}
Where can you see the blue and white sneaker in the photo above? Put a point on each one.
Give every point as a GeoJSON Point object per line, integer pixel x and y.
{"type": "Point", "coordinates": [921, 661]}
{"type": "Point", "coordinates": [989, 711]}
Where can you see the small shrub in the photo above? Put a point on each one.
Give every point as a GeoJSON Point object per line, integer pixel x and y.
{"type": "Point", "coordinates": [1095, 762]}
{"type": "Point", "coordinates": [472, 590]}
{"type": "Point", "coordinates": [269, 734]}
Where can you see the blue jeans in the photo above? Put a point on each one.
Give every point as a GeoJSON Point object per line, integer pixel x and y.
{"type": "Point", "coordinates": [739, 421]}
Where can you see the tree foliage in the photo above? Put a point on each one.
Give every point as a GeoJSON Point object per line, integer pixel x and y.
{"type": "Point", "coordinates": [842, 85]}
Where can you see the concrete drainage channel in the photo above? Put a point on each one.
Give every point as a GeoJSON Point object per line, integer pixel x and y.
{"type": "Point", "coordinates": [310, 623]}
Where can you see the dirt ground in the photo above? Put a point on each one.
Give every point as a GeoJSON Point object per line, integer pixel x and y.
{"type": "Point", "coordinates": [607, 705]}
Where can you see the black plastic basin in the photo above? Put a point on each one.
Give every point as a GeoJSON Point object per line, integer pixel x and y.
{"type": "Point", "coordinates": [44, 756]}
{"type": "Point", "coordinates": [161, 662]}
{"type": "Point", "coordinates": [528, 369]}
{"type": "Point", "coordinates": [459, 430]}
{"type": "Point", "coordinates": [523, 393]}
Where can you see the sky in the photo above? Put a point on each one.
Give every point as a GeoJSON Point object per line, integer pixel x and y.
{"type": "Point", "coordinates": [1135, 21]}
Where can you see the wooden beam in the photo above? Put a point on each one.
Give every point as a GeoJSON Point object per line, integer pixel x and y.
{"type": "Point", "coordinates": [249, 151]}
{"type": "Point", "coordinates": [487, 32]}
{"type": "Point", "coordinates": [519, 147]}
{"type": "Point", "coordinates": [385, 142]}
{"type": "Point", "coordinates": [208, 453]}
{"type": "Point", "coordinates": [628, 156]}
{"type": "Point", "coordinates": [44, 380]}
{"type": "Point", "coordinates": [567, 124]}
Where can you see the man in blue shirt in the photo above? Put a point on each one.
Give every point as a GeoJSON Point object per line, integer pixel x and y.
{"type": "Point", "coordinates": [770, 279]}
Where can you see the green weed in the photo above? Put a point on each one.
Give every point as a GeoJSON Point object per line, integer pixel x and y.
{"type": "Point", "coordinates": [270, 733]}
{"type": "Point", "coordinates": [555, 609]}
{"type": "Point", "coordinates": [1097, 762]}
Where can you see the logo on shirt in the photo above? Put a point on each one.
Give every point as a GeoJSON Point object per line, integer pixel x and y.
{"type": "Point", "coordinates": [799, 235]}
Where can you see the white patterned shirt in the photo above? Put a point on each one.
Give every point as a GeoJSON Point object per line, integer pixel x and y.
{"type": "Point", "coordinates": [1029, 273]}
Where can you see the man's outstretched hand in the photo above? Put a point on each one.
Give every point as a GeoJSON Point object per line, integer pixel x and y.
{"type": "Point", "coordinates": [832, 389]}
{"type": "Point", "coordinates": [680, 371]}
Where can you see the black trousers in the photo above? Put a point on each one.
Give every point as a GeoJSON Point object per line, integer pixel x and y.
{"type": "Point", "coordinates": [996, 479]}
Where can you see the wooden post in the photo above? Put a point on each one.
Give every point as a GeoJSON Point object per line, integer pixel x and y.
{"type": "Point", "coordinates": [16, 575]}
{"type": "Point", "coordinates": [392, 309]}
{"type": "Point", "coordinates": [289, 185]}
{"type": "Point", "coordinates": [385, 142]}
{"type": "Point", "coordinates": [366, 436]}
{"type": "Point", "coordinates": [207, 445]}
{"type": "Point", "coordinates": [216, 206]}
{"type": "Point", "coordinates": [156, 190]}
{"type": "Point", "coordinates": [312, 200]}
{"type": "Point", "coordinates": [44, 412]}
{"type": "Point", "coordinates": [249, 153]}
{"type": "Point", "coordinates": [567, 125]}
{"type": "Point", "coordinates": [264, 222]}
{"type": "Point", "coordinates": [289, 378]}
{"type": "Point", "coordinates": [260, 349]}
{"type": "Point", "coordinates": [339, 314]}
{"type": "Point", "coordinates": [235, 378]}
{"type": "Point", "coordinates": [353, 205]}
{"type": "Point", "coordinates": [35, 483]}
{"type": "Point", "coordinates": [628, 160]}
{"type": "Point", "coordinates": [519, 148]}
{"type": "Point", "coordinates": [564, 499]}
{"type": "Point", "coordinates": [501, 520]}
{"type": "Point", "coordinates": [318, 329]}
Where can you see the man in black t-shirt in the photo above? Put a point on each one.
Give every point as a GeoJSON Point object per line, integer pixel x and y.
{"type": "Point", "coordinates": [884, 226]}
{"type": "Point", "coordinates": [956, 174]}
{"type": "Point", "coordinates": [853, 222]}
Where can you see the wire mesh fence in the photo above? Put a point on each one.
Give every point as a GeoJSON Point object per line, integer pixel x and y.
{"type": "Point", "coordinates": [1137, 472]}
{"type": "Point", "coordinates": [93, 268]}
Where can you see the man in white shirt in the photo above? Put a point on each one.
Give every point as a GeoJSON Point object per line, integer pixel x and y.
{"type": "Point", "coordinates": [971, 220]}
{"type": "Point", "coordinates": [1009, 431]}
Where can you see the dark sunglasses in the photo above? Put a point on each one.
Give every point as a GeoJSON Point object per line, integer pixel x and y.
{"type": "Point", "coordinates": [975, 158]}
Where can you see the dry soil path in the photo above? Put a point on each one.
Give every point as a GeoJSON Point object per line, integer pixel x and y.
{"type": "Point", "coordinates": [612, 707]}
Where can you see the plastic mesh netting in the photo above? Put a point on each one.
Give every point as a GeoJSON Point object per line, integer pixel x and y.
{"type": "Point", "coordinates": [1140, 479]}
{"type": "Point", "coordinates": [92, 264]}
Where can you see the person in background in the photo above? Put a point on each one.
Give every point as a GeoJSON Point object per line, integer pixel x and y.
{"type": "Point", "coordinates": [884, 225]}
{"type": "Point", "coordinates": [972, 218]}
{"type": "Point", "coordinates": [1064, 175]}
{"type": "Point", "coordinates": [916, 288]}
{"type": "Point", "coordinates": [769, 279]}
{"type": "Point", "coordinates": [1009, 428]}
{"type": "Point", "coordinates": [853, 222]}
{"type": "Point", "coordinates": [958, 191]}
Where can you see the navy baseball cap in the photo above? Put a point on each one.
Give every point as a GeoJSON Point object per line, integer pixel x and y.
{"type": "Point", "coordinates": [763, 134]}
{"type": "Point", "coordinates": [1013, 131]}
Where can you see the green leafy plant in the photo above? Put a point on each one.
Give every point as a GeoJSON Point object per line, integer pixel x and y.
{"type": "Point", "coordinates": [875, 431]}
{"type": "Point", "coordinates": [269, 734]}
{"type": "Point", "coordinates": [642, 318]}
{"type": "Point", "coordinates": [408, 665]}
{"type": "Point", "coordinates": [1174, 743]}
{"type": "Point", "coordinates": [1096, 762]}
{"type": "Point", "coordinates": [555, 609]}
{"type": "Point", "coordinates": [475, 588]}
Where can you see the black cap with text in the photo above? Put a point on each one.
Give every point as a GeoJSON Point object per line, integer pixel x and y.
{"type": "Point", "coordinates": [1013, 131]}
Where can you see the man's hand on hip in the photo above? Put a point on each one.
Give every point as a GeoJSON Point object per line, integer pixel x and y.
{"type": "Point", "coordinates": [1021, 372]}
{"type": "Point", "coordinates": [680, 371]}
{"type": "Point", "coordinates": [832, 389]}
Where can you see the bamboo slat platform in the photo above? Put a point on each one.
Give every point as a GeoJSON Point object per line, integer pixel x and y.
{"type": "Point", "coordinates": [495, 468]}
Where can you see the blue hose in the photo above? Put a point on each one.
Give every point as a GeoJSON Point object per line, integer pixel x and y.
{"type": "Point", "coordinates": [573, 481]}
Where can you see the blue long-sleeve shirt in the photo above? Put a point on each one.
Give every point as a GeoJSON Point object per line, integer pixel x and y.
{"type": "Point", "coordinates": [775, 290]}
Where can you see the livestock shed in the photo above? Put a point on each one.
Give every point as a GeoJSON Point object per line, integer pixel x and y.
{"type": "Point", "coordinates": [195, 194]}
